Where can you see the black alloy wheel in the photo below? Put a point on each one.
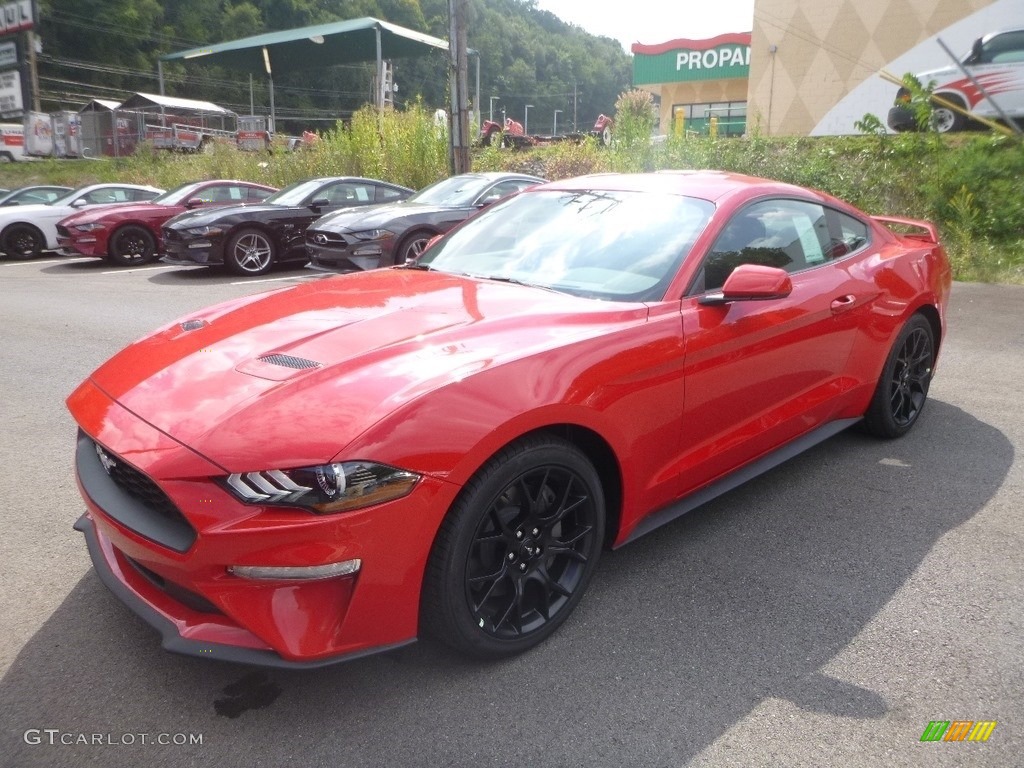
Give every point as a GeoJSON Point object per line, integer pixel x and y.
{"type": "Point", "coordinates": [903, 387]}
{"type": "Point", "coordinates": [132, 245]}
{"type": "Point", "coordinates": [23, 241]}
{"type": "Point", "coordinates": [517, 550]}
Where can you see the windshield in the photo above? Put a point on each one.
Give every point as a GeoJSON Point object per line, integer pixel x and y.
{"type": "Point", "coordinates": [178, 195]}
{"type": "Point", "coordinates": [616, 246]}
{"type": "Point", "coordinates": [456, 192]}
{"type": "Point", "coordinates": [295, 194]}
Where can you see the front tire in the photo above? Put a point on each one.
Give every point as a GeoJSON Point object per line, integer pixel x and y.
{"type": "Point", "coordinates": [516, 551]}
{"type": "Point", "coordinates": [412, 246]}
{"type": "Point", "coordinates": [23, 241]}
{"type": "Point", "coordinates": [131, 246]}
{"type": "Point", "coordinates": [249, 252]}
{"type": "Point", "coordinates": [903, 386]}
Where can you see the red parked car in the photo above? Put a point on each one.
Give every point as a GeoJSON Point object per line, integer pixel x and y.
{"type": "Point", "coordinates": [131, 234]}
{"type": "Point", "coordinates": [316, 473]}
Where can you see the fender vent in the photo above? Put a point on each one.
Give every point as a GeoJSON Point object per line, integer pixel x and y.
{"type": "Point", "coordinates": [289, 361]}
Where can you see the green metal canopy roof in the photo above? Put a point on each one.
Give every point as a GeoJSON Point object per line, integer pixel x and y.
{"type": "Point", "coordinates": [340, 42]}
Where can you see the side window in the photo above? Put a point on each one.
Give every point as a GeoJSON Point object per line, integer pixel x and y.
{"type": "Point", "coordinates": [222, 194]}
{"type": "Point", "coordinates": [847, 235]}
{"type": "Point", "coordinates": [350, 194]}
{"type": "Point", "coordinates": [387, 194]}
{"type": "Point", "coordinates": [255, 193]}
{"type": "Point", "coordinates": [788, 234]}
{"type": "Point", "coordinates": [500, 190]}
{"type": "Point", "coordinates": [1004, 48]}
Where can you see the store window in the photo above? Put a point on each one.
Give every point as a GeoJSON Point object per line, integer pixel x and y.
{"type": "Point", "coordinates": [696, 118]}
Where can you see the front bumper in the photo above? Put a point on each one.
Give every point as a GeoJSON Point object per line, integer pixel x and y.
{"type": "Point", "coordinates": [343, 257]}
{"type": "Point", "coordinates": [171, 568]}
{"type": "Point", "coordinates": [190, 251]}
{"type": "Point", "coordinates": [84, 245]}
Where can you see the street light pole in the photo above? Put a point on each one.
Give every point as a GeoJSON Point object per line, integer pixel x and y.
{"type": "Point", "coordinates": [490, 108]}
{"type": "Point", "coordinates": [526, 120]}
{"type": "Point", "coordinates": [554, 129]}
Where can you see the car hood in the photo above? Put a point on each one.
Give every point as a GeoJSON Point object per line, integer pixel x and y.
{"type": "Point", "coordinates": [206, 216]}
{"type": "Point", "coordinates": [376, 217]}
{"type": "Point", "coordinates": [136, 210]}
{"type": "Point", "coordinates": [292, 377]}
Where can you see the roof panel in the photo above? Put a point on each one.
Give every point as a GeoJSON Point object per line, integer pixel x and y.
{"type": "Point", "coordinates": [339, 42]}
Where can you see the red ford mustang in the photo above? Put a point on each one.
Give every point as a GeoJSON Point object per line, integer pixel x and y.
{"type": "Point", "coordinates": [130, 234]}
{"type": "Point", "coordinates": [309, 475]}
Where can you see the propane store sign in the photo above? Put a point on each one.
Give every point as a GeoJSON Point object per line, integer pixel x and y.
{"type": "Point", "coordinates": [680, 61]}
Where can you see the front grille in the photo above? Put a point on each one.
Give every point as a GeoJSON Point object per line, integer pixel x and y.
{"type": "Point", "coordinates": [289, 361]}
{"type": "Point", "coordinates": [63, 231]}
{"type": "Point", "coordinates": [130, 497]}
{"type": "Point", "coordinates": [171, 235]}
{"type": "Point", "coordinates": [330, 239]}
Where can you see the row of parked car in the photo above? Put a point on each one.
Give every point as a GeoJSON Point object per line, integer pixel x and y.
{"type": "Point", "coordinates": [335, 223]}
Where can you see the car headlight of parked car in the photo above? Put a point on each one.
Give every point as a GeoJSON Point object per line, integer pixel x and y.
{"type": "Point", "coordinates": [325, 488]}
{"type": "Point", "coordinates": [207, 231]}
{"type": "Point", "coordinates": [373, 234]}
{"type": "Point", "coordinates": [91, 226]}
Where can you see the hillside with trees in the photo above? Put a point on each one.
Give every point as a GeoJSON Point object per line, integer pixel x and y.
{"type": "Point", "coordinates": [109, 49]}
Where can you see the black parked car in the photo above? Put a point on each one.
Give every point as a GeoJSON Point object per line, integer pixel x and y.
{"type": "Point", "coordinates": [250, 239]}
{"type": "Point", "coordinates": [347, 241]}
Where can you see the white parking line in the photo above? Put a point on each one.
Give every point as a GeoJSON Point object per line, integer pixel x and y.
{"type": "Point", "coordinates": [129, 270]}
{"type": "Point", "coordinates": [280, 279]}
{"type": "Point", "coordinates": [33, 262]}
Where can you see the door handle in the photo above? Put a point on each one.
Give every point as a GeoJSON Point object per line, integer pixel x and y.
{"type": "Point", "coordinates": [843, 303]}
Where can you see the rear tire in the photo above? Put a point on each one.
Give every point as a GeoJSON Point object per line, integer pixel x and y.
{"type": "Point", "coordinates": [23, 241]}
{"type": "Point", "coordinates": [946, 120]}
{"type": "Point", "coordinates": [516, 551]}
{"type": "Point", "coordinates": [131, 246]}
{"type": "Point", "coordinates": [903, 386]}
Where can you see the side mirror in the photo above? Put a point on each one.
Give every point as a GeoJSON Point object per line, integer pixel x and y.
{"type": "Point", "coordinates": [319, 202]}
{"type": "Point", "coordinates": [751, 282]}
{"type": "Point", "coordinates": [976, 50]}
{"type": "Point", "coordinates": [194, 202]}
{"type": "Point", "coordinates": [79, 202]}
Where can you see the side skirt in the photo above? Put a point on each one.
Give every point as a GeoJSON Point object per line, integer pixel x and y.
{"type": "Point", "coordinates": [737, 478]}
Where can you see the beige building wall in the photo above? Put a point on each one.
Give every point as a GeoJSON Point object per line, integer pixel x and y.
{"type": "Point", "coordinates": [806, 55]}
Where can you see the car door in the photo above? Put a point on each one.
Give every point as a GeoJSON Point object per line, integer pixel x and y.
{"type": "Point", "coordinates": [760, 373]}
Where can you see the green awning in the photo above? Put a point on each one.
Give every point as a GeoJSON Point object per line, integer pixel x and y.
{"type": "Point", "coordinates": [340, 42]}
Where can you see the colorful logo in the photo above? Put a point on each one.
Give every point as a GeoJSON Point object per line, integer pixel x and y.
{"type": "Point", "coordinates": [958, 730]}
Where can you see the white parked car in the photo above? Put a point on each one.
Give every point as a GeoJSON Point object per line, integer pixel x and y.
{"type": "Point", "coordinates": [27, 230]}
{"type": "Point", "coordinates": [996, 61]}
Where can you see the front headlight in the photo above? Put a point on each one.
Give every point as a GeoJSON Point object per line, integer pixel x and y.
{"type": "Point", "coordinates": [324, 489]}
{"type": "Point", "coordinates": [372, 234]}
{"type": "Point", "coordinates": [207, 231]}
{"type": "Point", "coordinates": [90, 227]}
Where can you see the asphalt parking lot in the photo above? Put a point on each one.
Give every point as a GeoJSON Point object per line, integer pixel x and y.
{"type": "Point", "coordinates": [821, 615]}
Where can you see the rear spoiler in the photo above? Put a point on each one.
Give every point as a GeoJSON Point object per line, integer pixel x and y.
{"type": "Point", "coordinates": [921, 230]}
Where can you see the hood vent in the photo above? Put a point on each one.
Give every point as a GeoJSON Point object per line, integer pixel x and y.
{"type": "Point", "coordinates": [290, 361]}
{"type": "Point", "coordinates": [193, 325]}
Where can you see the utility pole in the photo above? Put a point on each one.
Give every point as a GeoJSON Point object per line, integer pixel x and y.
{"type": "Point", "coordinates": [458, 133]}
